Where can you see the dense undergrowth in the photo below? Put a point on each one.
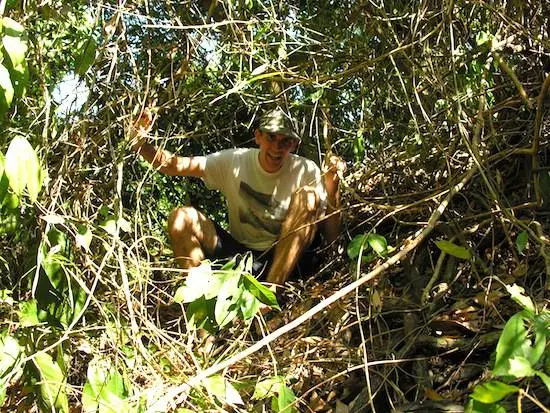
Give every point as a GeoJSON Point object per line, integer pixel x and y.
{"type": "Point", "coordinates": [441, 112]}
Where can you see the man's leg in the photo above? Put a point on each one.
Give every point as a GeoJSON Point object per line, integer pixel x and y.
{"type": "Point", "coordinates": [193, 236]}
{"type": "Point", "coordinates": [297, 232]}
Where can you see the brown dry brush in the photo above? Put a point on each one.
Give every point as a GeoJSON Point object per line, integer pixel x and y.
{"type": "Point", "coordinates": [472, 170]}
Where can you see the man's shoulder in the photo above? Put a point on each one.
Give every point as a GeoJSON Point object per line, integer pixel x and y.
{"type": "Point", "coordinates": [232, 151]}
{"type": "Point", "coordinates": [302, 161]}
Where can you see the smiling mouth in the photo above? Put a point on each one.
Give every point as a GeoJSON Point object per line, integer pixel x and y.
{"type": "Point", "coordinates": [274, 158]}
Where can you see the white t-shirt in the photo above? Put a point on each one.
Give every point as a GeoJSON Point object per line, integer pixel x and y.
{"type": "Point", "coordinates": [257, 201]}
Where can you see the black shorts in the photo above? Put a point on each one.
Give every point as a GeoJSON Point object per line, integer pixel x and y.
{"type": "Point", "coordinates": [228, 247]}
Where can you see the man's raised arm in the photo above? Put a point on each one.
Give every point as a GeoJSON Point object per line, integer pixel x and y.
{"type": "Point", "coordinates": [163, 160]}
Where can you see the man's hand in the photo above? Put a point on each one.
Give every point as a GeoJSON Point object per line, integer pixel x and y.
{"type": "Point", "coordinates": [333, 168]}
{"type": "Point", "coordinates": [140, 129]}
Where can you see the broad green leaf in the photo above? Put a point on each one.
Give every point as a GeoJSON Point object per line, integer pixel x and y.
{"type": "Point", "coordinates": [286, 400]}
{"type": "Point", "coordinates": [378, 243]}
{"type": "Point", "coordinates": [520, 367]}
{"type": "Point", "coordinates": [517, 294]}
{"type": "Point", "coordinates": [104, 388]}
{"type": "Point", "coordinates": [200, 282]}
{"type": "Point", "coordinates": [52, 383]}
{"type": "Point", "coordinates": [10, 366]}
{"type": "Point", "coordinates": [6, 90]}
{"type": "Point", "coordinates": [356, 245]}
{"type": "Point", "coordinates": [109, 225]}
{"type": "Point", "coordinates": [86, 57]}
{"type": "Point", "coordinates": [200, 314]}
{"type": "Point", "coordinates": [28, 313]}
{"type": "Point", "coordinates": [512, 342]}
{"type": "Point", "coordinates": [492, 391]}
{"type": "Point", "coordinates": [10, 350]}
{"type": "Point", "coordinates": [216, 386]}
{"type": "Point", "coordinates": [545, 378]}
{"type": "Point", "coordinates": [261, 292]}
{"type": "Point", "coordinates": [475, 406]}
{"type": "Point", "coordinates": [83, 237]}
{"type": "Point", "coordinates": [54, 251]}
{"type": "Point", "coordinates": [453, 249]}
{"type": "Point", "coordinates": [228, 297]}
{"type": "Point", "coordinates": [15, 45]}
{"type": "Point", "coordinates": [22, 168]}
{"type": "Point", "coordinates": [249, 305]}
{"type": "Point", "coordinates": [521, 241]}
{"type": "Point", "coordinates": [11, 27]}
{"type": "Point", "coordinates": [267, 388]}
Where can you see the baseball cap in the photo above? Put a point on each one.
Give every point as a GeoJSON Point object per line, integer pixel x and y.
{"type": "Point", "coordinates": [277, 121]}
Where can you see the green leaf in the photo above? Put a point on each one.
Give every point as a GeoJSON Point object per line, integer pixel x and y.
{"type": "Point", "coordinates": [216, 386]}
{"type": "Point", "coordinates": [267, 388]}
{"type": "Point", "coordinates": [286, 400]}
{"type": "Point", "coordinates": [378, 243]}
{"type": "Point", "coordinates": [249, 305]}
{"type": "Point", "coordinates": [520, 367]}
{"type": "Point", "coordinates": [261, 292]}
{"type": "Point", "coordinates": [22, 168]}
{"type": "Point", "coordinates": [475, 406]}
{"type": "Point", "coordinates": [28, 313]}
{"type": "Point", "coordinates": [512, 342]}
{"type": "Point", "coordinates": [53, 255]}
{"type": "Point", "coordinates": [200, 314]}
{"type": "Point", "coordinates": [521, 241]}
{"type": "Point", "coordinates": [356, 245]}
{"type": "Point", "coordinates": [517, 294]}
{"type": "Point", "coordinates": [104, 389]}
{"type": "Point", "coordinates": [52, 383]}
{"type": "Point", "coordinates": [545, 378]}
{"type": "Point", "coordinates": [10, 352]}
{"type": "Point", "coordinates": [453, 249]}
{"type": "Point", "coordinates": [111, 224]}
{"type": "Point", "coordinates": [10, 366]}
{"type": "Point", "coordinates": [228, 297]}
{"type": "Point", "coordinates": [6, 90]}
{"type": "Point", "coordinates": [83, 237]}
{"type": "Point", "coordinates": [15, 45]}
{"type": "Point", "coordinates": [86, 57]}
{"type": "Point", "coordinates": [200, 282]}
{"type": "Point", "coordinates": [492, 391]}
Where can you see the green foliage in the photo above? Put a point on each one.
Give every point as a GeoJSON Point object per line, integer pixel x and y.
{"type": "Point", "coordinates": [52, 383]}
{"type": "Point", "coordinates": [283, 399]}
{"type": "Point", "coordinates": [22, 168]}
{"type": "Point", "coordinates": [521, 241]}
{"type": "Point", "coordinates": [87, 56]}
{"type": "Point", "coordinates": [10, 362]}
{"type": "Point", "coordinates": [364, 242]}
{"type": "Point", "coordinates": [216, 297]}
{"type": "Point", "coordinates": [453, 249]}
{"type": "Point", "coordinates": [223, 390]}
{"type": "Point", "coordinates": [105, 390]}
{"type": "Point", "coordinates": [520, 354]}
{"type": "Point", "coordinates": [14, 74]}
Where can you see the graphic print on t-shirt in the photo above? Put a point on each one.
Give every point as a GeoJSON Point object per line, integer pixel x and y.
{"type": "Point", "coordinates": [262, 210]}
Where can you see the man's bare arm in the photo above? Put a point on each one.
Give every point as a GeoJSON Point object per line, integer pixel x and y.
{"type": "Point", "coordinates": [163, 160]}
{"type": "Point", "coordinates": [331, 225]}
{"type": "Point", "coordinates": [171, 164]}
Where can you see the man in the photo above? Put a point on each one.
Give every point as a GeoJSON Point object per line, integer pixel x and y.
{"type": "Point", "coordinates": [274, 198]}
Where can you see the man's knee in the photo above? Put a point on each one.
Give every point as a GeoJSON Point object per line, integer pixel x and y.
{"type": "Point", "coordinates": [305, 200]}
{"type": "Point", "coordinates": [182, 220]}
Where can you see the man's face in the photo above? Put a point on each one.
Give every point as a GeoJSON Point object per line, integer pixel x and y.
{"type": "Point", "coordinates": [274, 149]}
